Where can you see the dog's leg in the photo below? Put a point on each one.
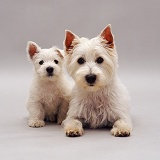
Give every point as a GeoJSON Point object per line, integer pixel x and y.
{"type": "Point", "coordinates": [37, 114]}
{"type": "Point", "coordinates": [63, 109]}
{"type": "Point", "coordinates": [73, 127]}
{"type": "Point", "coordinates": [122, 124]}
{"type": "Point", "coordinates": [122, 128]}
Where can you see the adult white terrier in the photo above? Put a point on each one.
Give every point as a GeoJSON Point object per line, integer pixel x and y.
{"type": "Point", "coordinates": [99, 98]}
{"type": "Point", "coordinates": [50, 90]}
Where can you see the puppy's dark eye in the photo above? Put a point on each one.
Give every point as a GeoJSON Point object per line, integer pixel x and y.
{"type": "Point", "coordinates": [41, 62]}
{"type": "Point", "coordinates": [99, 60]}
{"type": "Point", "coordinates": [81, 60]}
{"type": "Point", "coordinates": [56, 62]}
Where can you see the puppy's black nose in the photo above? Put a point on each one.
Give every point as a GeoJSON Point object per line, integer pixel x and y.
{"type": "Point", "coordinates": [90, 78]}
{"type": "Point", "coordinates": [49, 70]}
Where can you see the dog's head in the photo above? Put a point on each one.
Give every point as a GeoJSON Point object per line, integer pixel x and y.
{"type": "Point", "coordinates": [91, 63]}
{"type": "Point", "coordinates": [47, 62]}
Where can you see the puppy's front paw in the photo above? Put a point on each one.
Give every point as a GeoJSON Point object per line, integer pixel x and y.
{"type": "Point", "coordinates": [74, 133]}
{"type": "Point", "coordinates": [36, 123]}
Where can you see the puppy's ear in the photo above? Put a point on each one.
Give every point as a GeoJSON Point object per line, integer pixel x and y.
{"type": "Point", "coordinates": [70, 40]}
{"type": "Point", "coordinates": [32, 49]}
{"type": "Point", "coordinates": [60, 53]}
{"type": "Point", "coordinates": [107, 35]}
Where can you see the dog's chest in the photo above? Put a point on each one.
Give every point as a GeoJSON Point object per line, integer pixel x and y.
{"type": "Point", "coordinates": [50, 97]}
{"type": "Point", "coordinates": [96, 110]}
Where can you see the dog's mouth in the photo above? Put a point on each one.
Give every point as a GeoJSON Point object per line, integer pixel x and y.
{"type": "Point", "coordinates": [91, 85]}
{"type": "Point", "coordinates": [49, 74]}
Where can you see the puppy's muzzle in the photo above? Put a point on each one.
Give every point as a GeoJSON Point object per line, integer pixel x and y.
{"type": "Point", "coordinates": [50, 71]}
{"type": "Point", "coordinates": [91, 78]}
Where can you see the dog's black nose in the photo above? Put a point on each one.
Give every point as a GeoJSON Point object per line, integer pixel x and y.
{"type": "Point", "coordinates": [90, 78]}
{"type": "Point", "coordinates": [49, 70]}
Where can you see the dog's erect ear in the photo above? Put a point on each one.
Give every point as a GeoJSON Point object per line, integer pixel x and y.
{"type": "Point", "coordinates": [60, 53]}
{"type": "Point", "coordinates": [107, 35]}
{"type": "Point", "coordinates": [32, 48]}
{"type": "Point", "coordinates": [70, 40]}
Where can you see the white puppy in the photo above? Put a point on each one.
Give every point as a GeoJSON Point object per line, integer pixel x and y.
{"type": "Point", "coordinates": [99, 99]}
{"type": "Point", "coordinates": [50, 90]}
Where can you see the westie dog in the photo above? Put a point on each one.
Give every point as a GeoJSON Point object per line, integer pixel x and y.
{"type": "Point", "coordinates": [99, 98]}
{"type": "Point", "coordinates": [50, 90]}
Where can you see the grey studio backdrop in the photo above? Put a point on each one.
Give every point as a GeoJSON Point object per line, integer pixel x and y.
{"type": "Point", "coordinates": [135, 25]}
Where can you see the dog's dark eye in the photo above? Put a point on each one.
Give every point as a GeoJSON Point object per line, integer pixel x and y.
{"type": "Point", "coordinates": [99, 60]}
{"type": "Point", "coordinates": [56, 62]}
{"type": "Point", "coordinates": [41, 62]}
{"type": "Point", "coordinates": [81, 60]}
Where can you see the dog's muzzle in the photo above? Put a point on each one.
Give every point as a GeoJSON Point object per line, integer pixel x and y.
{"type": "Point", "coordinates": [50, 71]}
{"type": "Point", "coordinates": [91, 78]}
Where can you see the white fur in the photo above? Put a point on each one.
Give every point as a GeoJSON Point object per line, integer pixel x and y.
{"type": "Point", "coordinates": [49, 95]}
{"type": "Point", "coordinates": [104, 104]}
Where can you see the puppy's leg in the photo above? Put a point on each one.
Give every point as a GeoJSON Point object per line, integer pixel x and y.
{"type": "Point", "coordinates": [37, 114]}
{"type": "Point", "coordinates": [122, 128]}
{"type": "Point", "coordinates": [73, 127]}
{"type": "Point", "coordinates": [63, 109]}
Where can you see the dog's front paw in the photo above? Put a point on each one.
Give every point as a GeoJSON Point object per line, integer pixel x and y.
{"type": "Point", "coordinates": [74, 133]}
{"type": "Point", "coordinates": [36, 123]}
{"type": "Point", "coordinates": [121, 129]}
{"type": "Point", "coordinates": [73, 128]}
{"type": "Point", "coordinates": [120, 132]}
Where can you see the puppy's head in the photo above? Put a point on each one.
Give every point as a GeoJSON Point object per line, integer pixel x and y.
{"type": "Point", "coordinates": [47, 62]}
{"type": "Point", "coordinates": [91, 63]}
